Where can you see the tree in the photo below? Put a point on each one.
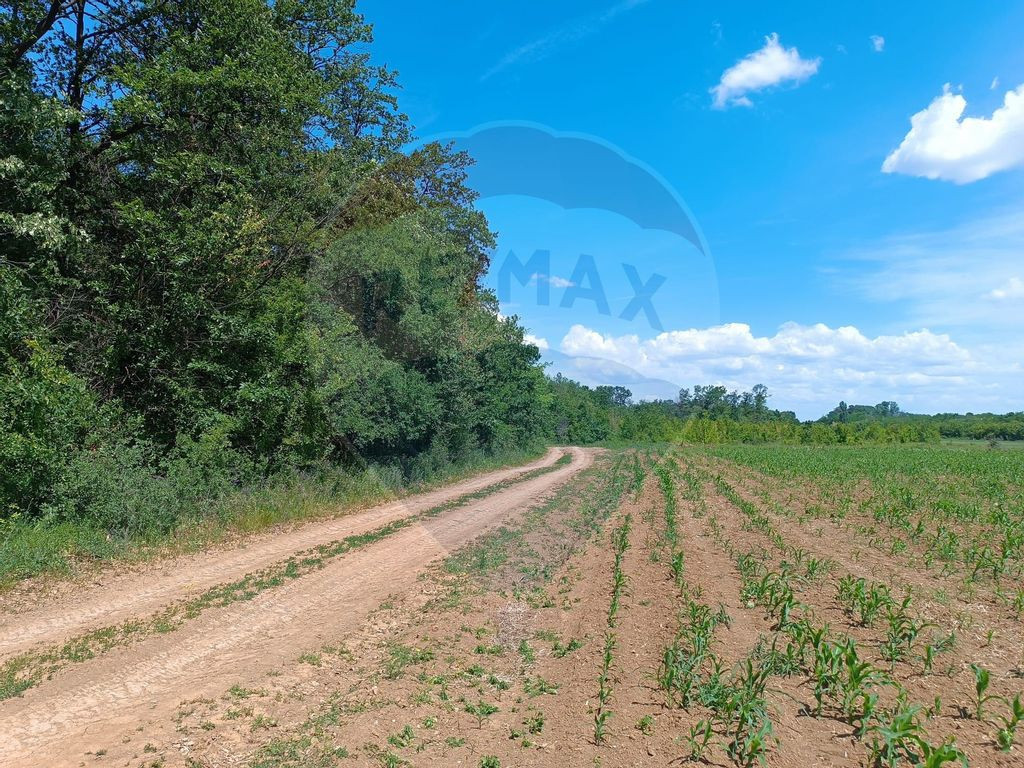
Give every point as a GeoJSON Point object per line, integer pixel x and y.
{"type": "Point", "coordinates": [613, 396]}
{"type": "Point", "coordinates": [209, 227]}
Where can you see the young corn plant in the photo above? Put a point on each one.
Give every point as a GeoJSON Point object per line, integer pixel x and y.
{"type": "Point", "coordinates": [856, 700]}
{"type": "Point", "coordinates": [896, 735]}
{"type": "Point", "coordinates": [601, 717]}
{"type": "Point", "coordinates": [699, 740]}
{"type": "Point", "coordinates": [827, 672]}
{"type": "Point", "coordinates": [931, 650]}
{"type": "Point", "coordinates": [898, 738]}
{"type": "Point", "coordinates": [782, 606]}
{"type": "Point", "coordinates": [945, 753]}
{"type": "Point", "coordinates": [680, 670]}
{"type": "Point", "coordinates": [677, 564]}
{"type": "Point", "coordinates": [604, 692]}
{"type": "Point", "coordinates": [745, 715]}
{"type": "Point", "coordinates": [639, 473]}
{"type": "Point", "coordinates": [928, 658]}
{"type": "Point", "coordinates": [817, 568]}
{"type": "Point", "coordinates": [988, 560]}
{"type": "Point", "coordinates": [752, 746]}
{"type": "Point", "coordinates": [620, 542]}
{"type": "Point", "coordinates": [1018, 602]}
{"type": "Point", "coordinates": [668, 490]}
{"type": "Point", "coordinates": [784, 663]}
{"type": "Point", "coordinates": [1007, 735]}
{"type": "Point", "coordinates": [863, 601]}
{"type": "Point", "coordinates": [901, 634]}
{"type": "Point", "coordinates": [981, 697]}
{"type": "Point", "coordinates": [864, 712]}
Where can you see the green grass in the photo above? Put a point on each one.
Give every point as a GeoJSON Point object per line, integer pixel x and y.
{"type": "Point", "coordinates": [401, 656]}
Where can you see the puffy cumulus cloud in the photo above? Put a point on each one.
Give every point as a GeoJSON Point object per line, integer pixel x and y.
{"type": "Point", "coordinates": [943, 144]}
{"type": "Point", "coordinates": [878, 43]}
{"type": "Point", "coordinates": [766, 67]}
{"type": "Point", "coordinates": [538, 341]}
{"type": "Point", "coordinates": [1013, 289]}
{"type": "Point", "coordinates": [808, 368]}
{"type": "Point", "coordinates": [584, 342]}
{"type": "Point", "coordinates": [735, 346]}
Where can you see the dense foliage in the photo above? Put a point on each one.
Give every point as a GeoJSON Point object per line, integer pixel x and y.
{"type": "Point", "coordinates": [970, 426]}
{"type": "Point", "coordinates": [216, 264]}
{"type": "Point", "coordinates": [710, 414]}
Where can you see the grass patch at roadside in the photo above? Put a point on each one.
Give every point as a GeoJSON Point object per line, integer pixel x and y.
{"type": "Point", "coordinates": [61, 548]}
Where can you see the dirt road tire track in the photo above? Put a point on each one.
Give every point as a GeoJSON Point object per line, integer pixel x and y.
{"type": "Point", "coordinates": [141, 592]}
{"type": "Point", "coordinates": [90, 706]}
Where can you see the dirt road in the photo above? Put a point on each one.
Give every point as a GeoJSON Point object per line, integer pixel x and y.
{"type": "Point", "coordinates": [142, 591]}
{"type": "Point", "coordinates": [91, 706]}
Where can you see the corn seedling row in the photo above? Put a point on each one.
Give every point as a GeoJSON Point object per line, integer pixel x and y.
{"type": "Point", "coordinates": [620, 543]}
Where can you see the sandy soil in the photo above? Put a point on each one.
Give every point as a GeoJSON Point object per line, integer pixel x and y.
{"type": "Point", "coordinates": [95, 706]}
{"type": "Point", "coordinates": [120, 593]}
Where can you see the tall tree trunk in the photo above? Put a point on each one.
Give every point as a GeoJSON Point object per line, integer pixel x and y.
{"type": "Point", "coordinates": [43, 26]}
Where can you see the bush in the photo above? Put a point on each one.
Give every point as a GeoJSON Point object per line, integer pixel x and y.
{"type": "Point", "coordinates": [45, 410]}
{"type": "Point", "coordinates": [112, 487]}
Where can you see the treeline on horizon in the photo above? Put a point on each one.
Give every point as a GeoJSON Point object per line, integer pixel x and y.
{"type": "Point", "coordinates": [220, 272]}
{"type": "Point", "coordinates": [713, 414]}
{"type": "Point", "coordinates": [966, 426]}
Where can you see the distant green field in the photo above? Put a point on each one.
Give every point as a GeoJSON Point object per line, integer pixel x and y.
{"type": "Point", "coordinates": [966, 461]}
{"type": "Point", "coordinates": [1013, 445]}
{"type": "Point", "coordinates": [962, 501]}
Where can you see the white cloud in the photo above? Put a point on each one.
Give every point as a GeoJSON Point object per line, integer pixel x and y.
{"type": "Point", "coordinates": [942, 144]}
{"type": "Point", "coordinates": [553, 280]}
{"type": "Point", "coordinates": [963, 280]}
{"type": "Point", "coordinates": [1012, 289]}
{"type": "Point", "coordinates": [766, 67]}
{"type": "Point", "coordinates": [537, 341]}
{"type": "Point", "coordinates": [878, 43]}
{"type": "Point", "coordinates": [995, 83]}
{"type": "Point", "coordinates": [734, 346]}
{"type": "Point", "coordinates": [809, 368]}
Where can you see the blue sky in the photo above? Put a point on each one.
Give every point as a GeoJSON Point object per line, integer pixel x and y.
{"type": "Point", "coordinates": [846, 256]}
